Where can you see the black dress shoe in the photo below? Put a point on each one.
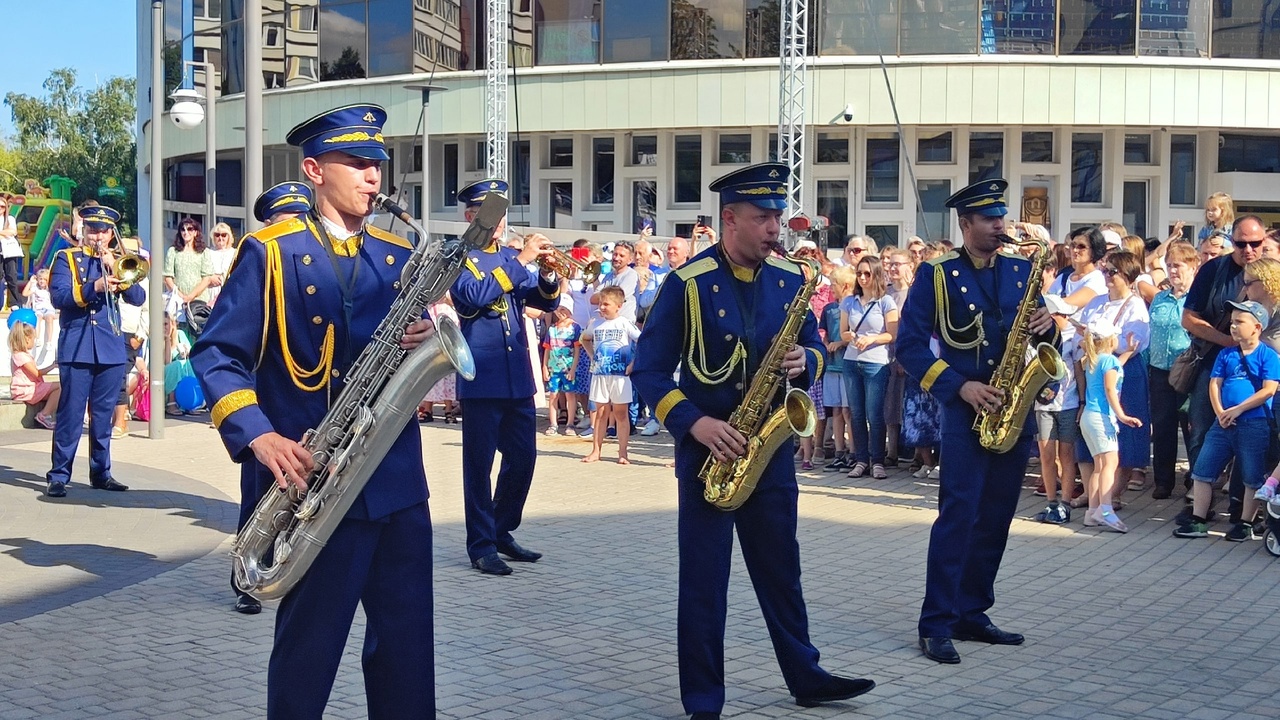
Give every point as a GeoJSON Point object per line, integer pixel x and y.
{"type": "Point", "coordinates": [109, 484]}
{"type": "Point", "coordinates": [248, 605]}
{"type": "Point", "coordinates": [517, 553]}
{"type": "Point", "coordinates": [491, 564]}
{"type": "Point", "coordinates": [1161, 493]}
{"type": "Point", "coordinates": [56, 489]}
{"type": "Point", "coordinates": [988, 634]}
{"type": "Point", "coordinates": [705, 716]}
{"type": "Point", "coordinates": [837, 688]}
{"type": "Point", "coordinates": [940, 649]}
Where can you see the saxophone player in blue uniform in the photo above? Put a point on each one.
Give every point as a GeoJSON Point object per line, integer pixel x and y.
{"type": "Point", "coordinates": [92, 355]}
{"type": "Point", "coordinates": [969, 299]}
{"type": "Point", "coordinates": [301, 301]}
{"type": "Point", "coordinates": [497, 405]}
{"type": "Point", "coordinates": [716, 318]}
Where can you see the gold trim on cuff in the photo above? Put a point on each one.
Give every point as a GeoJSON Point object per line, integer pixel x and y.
{"type": "Point", "coordinates": [501, 276]}
{"type": "Point", "coordinates": [668, 401]}
{"type": "Point", "coordinates": [231, 402]}
{"type": "Point", "coordinates": [932, 376]}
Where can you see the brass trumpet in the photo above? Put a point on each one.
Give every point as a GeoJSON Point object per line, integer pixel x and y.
{"type": "Point", "coordinates": [564, 265]}
{"type": "Point", "coordinates": [129, 267]}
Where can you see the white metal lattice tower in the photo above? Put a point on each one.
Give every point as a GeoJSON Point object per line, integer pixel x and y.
{"type": "Point", "coordinates": [793, 57]}
{"type": "Point", "coordinates": [495, 96]}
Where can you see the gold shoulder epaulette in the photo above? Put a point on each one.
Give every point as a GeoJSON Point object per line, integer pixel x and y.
{"type": "Point", "coordinates": [694, 269]}
{"type": "Point", "coordinates": [783, 264]}
{"type": "Point", "coordinates": [387, 237]}
{"type": "Point", "coordinates": [943, 258]}
{"type": "Point", "coordinates": [272, 233]}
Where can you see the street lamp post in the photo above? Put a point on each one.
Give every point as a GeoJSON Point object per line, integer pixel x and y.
{"type": "Point", "coordinates": [426, 90]}
{"type": "Point", "coordinates": [155, 280]}
{"type": "Point", "coordinates": [187, 112]}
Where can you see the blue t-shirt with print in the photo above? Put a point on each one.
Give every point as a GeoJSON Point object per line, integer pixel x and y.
{"type": "Point", "coordinates": [1237, 386]}
{"type": "Point", "coordinates": [560, 346]}
{"type": "Point", "coordinates": [831, 326]}
{"type": "Point", "coordinates": [1095, 388]}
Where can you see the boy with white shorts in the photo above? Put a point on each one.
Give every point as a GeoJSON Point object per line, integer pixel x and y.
{"type": "Point", "coordinates": [611, 341]}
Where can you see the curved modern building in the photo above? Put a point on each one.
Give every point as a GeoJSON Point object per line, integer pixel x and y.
{"type": "Point", "coordinates": [622, 111]}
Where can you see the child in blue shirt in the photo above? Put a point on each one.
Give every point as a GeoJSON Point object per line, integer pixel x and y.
{"type": "Point", "coordinates": [1100, 411]}
{"type": "Point", "coordinates": [1243, 380]}
{"type": "Point", "coordinates": [833, 396]}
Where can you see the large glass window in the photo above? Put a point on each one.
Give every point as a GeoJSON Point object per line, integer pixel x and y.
{"type": "Point", "coordinates": [644, 204]}
{"type": "Point", "coordinates": [833, 204]}
{"type": "Point", "coordinates": [1174, 29]}
{"type": "Point", "coordinates": [1086, 167]}
{"type": "Point", "coordinates": [848, 29]}
{"type": "Point", "coordinates": [883, 169]}
{"type": "Point", "coordinates": [1098, 27]}
{"type": "Point", "coordinates": [884, 235]}
{"type": "Point", "coordinates": [391, 27]}
{"type": "Point", "coordinates": [644, 150]}
{"type": "Point", "coordinates": [1134, 211]}
{"type": "Point", "coordinates": [450, 185]}
{"type": "Point", "coordinates": [934, 147]}
{"type": "Point", "coordinates": [833, 149]}
{"type": "Point", "coordinates": [1018, 26]}
{"type": "Point", "coordinates": [560, 152]}
{"type": "Point", "coordinates": [567, 32]}
{"type": "Point", "coordinates": [519, 172]}
{"type": "Point", "coordinates": [933, 218]}
{"type": "Point", "coordinates": [561, 204]}
{"type": "Point", "coordinates": [939, 27]}
{"type": "Point", "coordinates": [602, 171]}
{"type": "Point", "coordinates": [1249, 153]}
{"type": "Point", "coordinates": [735, 149]}
{"type": "Point", "coordinates": [1137, 149]}
{"type": "Point", "coordinates": [232, 44]}
{"type": "Point", "coordinates": [343, 36]}
{"type": "Point", "coordinates": [1246, 29]}
{"type": "Point", "coordinates": [986, 156]}
{"type": "Point", "coordinates": [636, 30]}
{"type": "Point", "coordinates": [688, 169]}
{"type": "Point", "coordinates": [704, 29]}
{"type": "Point", "coordinates": [1037, 146]}
{"type": "Point", "coordinates": [761, 35]}
{"type": "Point", "coordinates": [1182, 169]}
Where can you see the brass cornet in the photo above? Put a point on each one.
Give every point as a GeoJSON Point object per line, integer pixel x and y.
{"type": "Point", "coordinates": [129, 267]}
{"type": "Point", "coordinates": [564, 265]}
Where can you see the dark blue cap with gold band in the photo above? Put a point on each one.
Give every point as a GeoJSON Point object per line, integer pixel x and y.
{"type": "Point", "coordinates": [354, 129]}
{"type": "Point", "coordinates": [763, 185]}
{"type": "Point", "coordinates": [99, 217]}
{"type": "Point", "coordinates": [983, 198]}
{"type": "Point", "coordinates": [287, 197]}
{"type": "Point", "coordinates": [475, 193]}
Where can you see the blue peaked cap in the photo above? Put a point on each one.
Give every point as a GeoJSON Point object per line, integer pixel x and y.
{"type": "Point", "coordinates": [984, 198]}
{"type": "Point", "coordinates": [763, 185]}
{"type": "Point", "coordinates": [99, 217]}
{"type": "Point", "coordinates": [353, 129]}
{"type": "Point", "coordinates": [294, 197]}
{"type": "Point", "coordinates": [475, 193]}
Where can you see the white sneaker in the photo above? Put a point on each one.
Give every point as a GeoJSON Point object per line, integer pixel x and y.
{"type": "Point", "coordinates": [1265, 493]}
{"type": "Point", "coordinates": [923, 472]}
{"type": "Point", "coordinates": [935, 472]}
{"type": "Point", "coordinates": [551, 431]}
{"type": "Point", "coordinates": [651, 428]}
{"type": "Point", "coordinates": [568, 431]}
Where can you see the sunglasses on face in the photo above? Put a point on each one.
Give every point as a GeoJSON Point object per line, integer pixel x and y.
{"type": "Point", "coordinates": [1242, 244]}
{"type": "Point", "coordinates": [188, 229]}
{"type": "Point", "coordinates": [1079, 247]}
{"type": "Point", "coordinates": [856, 250]}
{"type": "Point", "coordinates": [222, 234]}
{"type": "Point", "coordinates": [1108, 272]}
{"type": "Point", "coordinates": [864, 273]}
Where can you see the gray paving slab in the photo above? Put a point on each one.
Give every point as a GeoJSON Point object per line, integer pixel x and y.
{"type": "Point", "coordinates": [116, 605]}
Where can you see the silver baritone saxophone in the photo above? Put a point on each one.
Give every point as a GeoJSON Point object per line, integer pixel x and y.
{"type": "Point", "coordinates": [384, 386]}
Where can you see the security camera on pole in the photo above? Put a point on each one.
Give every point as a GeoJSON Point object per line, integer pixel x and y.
{"type": "Point", "coordinates": [187, 113]}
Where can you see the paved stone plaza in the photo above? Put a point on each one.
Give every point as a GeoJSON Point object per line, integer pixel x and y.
{"type": "Point", "coordinates": [116, 605]}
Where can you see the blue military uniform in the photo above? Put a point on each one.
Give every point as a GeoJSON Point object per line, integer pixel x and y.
{"type": "Point", "coordinates": [970, 306]}
{"type": "Point", "coordinates": [286, 197]}
{"type": "Point", "coordinates": [92, 356]}
{"type": "Point", "coordinates": [273, 357]}
{"type": "Point", "coordinates": [497, 405]}
{"type": "Point", "coordinates": [716, 321]}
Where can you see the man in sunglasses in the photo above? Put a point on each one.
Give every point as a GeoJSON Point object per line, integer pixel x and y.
{"type": "Point", "coordinates": [1205, 316]}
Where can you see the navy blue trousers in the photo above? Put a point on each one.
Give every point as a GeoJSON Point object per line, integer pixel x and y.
{"type": "Point", "coordinates": [766, 527]}
{"type": "Point", "coordinates": [384, 565]}
{"type": "Point", "coordinates": [96, 387]}
{"type": "Point", "coordinates": [492, 425]}
{"type": "Point", "coordinates": [977, 496]}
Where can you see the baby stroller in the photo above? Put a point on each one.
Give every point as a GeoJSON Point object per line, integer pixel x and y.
{"type": "Point", "coordinates": [1271, 536]}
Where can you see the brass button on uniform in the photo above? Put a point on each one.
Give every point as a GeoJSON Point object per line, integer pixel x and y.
{"type": "Point", "coordinates": [317, 320]}
{"type": "Point", "coordinates": [991, 362]}
{"type": "Point", "coordinates": [391, 259]}
{"type": "Point", "coordinates": [306, 259]}
{"type": "Point", "coordinates": [985, 343]}
{"type": "Point", "coordinates": [1019, 283]}
{"type": "Point", "coordinates": [336, 373]}
{"type": "Point", "coordinates": [972, 306]}
{"type": "Point", "coordinates": [964, 289]}
{"type": "Point", "coordinates": [311, 289]}
{"type": "Point", "coordinates": [782, 283]}
{"type": "Point", "coordinates": [395, 285]}
{"type": "Point", "coordinates": [955, 273]}
{"type": "Point", "coordinates": [715, 288]}
{"type": "Point", "coordinates": [721, 312]}
{"type": "Point", "coordinates": [737, 386]}
{"type": "Point", "coordinates": [728, 337]}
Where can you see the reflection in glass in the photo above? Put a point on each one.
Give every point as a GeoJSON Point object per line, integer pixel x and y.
{"type": "Point", "coordinates": [1246, 29]}
{"type": "Point", "coordinates": [847, 28]}
{"type": "Point", "coordinates": [1037, 146]}
{"type": "Point", "coordinates": [232, 47]}
{"type": "Point", "coordinates": [1182, 169]}
{"type": "Point", "coordinates": [735, 149]}
{"type": "Point", "coordinates": [933, 147]}
{"type": "Point", "coordinates": [884, 235]}
{"type": "Point", "coordinates": [567, 32]}
{"type": "Point", "coordinates": [832, 148]}
{"type": "Point", "coordinates": [560, 152]}
{"type": "Point", "coordinates": [1024, 27]}
{"type": "Point", "coordinates": [519, 172]}
{"type": "Point", "coordinates": [449, 188]}
{"type": "Point", "coordinates": [688, 169]}
{"type": "Point", "coordinates": [1134, 210]}
{"type": "Point", "coordinates": [636, 30]}
{"type": "Point", "coordinates": [301, 43]}
{"type": "Point", "coordinates": [644, 150]}
{"type": "Point", "coordinates": [1248, 153]}
{"type": "Point", "coordinates": [704, 29]}
{"type": "Point", "coordinates": [602, 171]}
{"type": "Point", "coordinates": [833, 204]}
{"type": "Point", "coordinates": [1137, 149]}
{"type": "Point", "coordinates": [933, 217]}
{"type": "Point", "coordinates": [343, 37]}
{"type": "Point", "coordinates": [986, 156]}
{"type": "Point", "coordinates": [1098, 27]}
{"type": "Point", "coordinates": [1086, 167]}
{"type": "Point", "coordinates": [441, 36]}
{"type": "Point", "coordinates": [931, 27]}
{"type": "Point", "coordinates": [561, 204]}
{"type": "Point", "coordinates": [644, 204]}
{"type": "Point", "coordinates": [882, 169]}
{"type": "Point", "coordinates": [1174, 29]}
{"type": "Point", "coordinates": [391, 30]}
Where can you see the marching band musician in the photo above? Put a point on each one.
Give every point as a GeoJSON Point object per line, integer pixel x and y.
{"type": "Point", "coordinates": [969, 299]}
{"type": "Point", "coordinates": [718, 315]}
{"type": "Point", "coordinates": [92, 355]}
{"type": "Point", "coordinates": [498, 405]}
{"type": "Point", "coordinates": [278, 203]}
{"type": "Point", "coordinates": [302, 299]}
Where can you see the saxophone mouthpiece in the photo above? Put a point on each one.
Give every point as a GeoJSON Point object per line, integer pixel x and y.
{"type": "Point", "coordinates": [390, 206]}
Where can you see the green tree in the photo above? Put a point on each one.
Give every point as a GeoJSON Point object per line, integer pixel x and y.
{"type": "Point", "coordinates": [85, 134]}
{"type": "Point", "coordinates": [346, 67]}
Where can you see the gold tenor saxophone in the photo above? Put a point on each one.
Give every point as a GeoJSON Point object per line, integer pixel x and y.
{"type": "Point", "coordinates": [1020, 379]}
{"type": "Point", "coordinates": [384, 386]}
{"type": "Point", "coordinates": [729, 484]}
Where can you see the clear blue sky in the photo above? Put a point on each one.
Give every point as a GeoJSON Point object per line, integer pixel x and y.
{"type": "Point", "coordinates": [98, 38]}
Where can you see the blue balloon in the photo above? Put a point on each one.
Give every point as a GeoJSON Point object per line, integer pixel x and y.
{"type": "Point", "coordinates": [26, 315]}
{"type": "Point", "coordinates": [188, 394]}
